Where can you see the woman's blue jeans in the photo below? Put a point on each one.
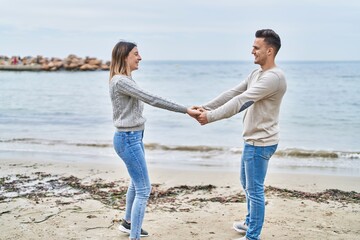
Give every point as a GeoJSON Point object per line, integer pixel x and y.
{"type": "Point", "coordinates": [129, 146]}
{"type": "Point", "coordinates": [254, 164]}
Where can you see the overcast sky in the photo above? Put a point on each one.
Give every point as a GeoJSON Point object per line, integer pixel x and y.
{"type": "Point", "coordinates": [180, 29]}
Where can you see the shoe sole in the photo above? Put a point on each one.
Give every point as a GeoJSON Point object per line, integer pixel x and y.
{"type": "Point", "coordinates": [239, 230]}
{"type": "Point", "coordinates": [125, 230]}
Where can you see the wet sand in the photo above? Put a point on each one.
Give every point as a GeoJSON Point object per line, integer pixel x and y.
{"type": "Point", "coordinates": [47, 199]}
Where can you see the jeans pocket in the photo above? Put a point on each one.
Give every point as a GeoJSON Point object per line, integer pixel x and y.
{"type": "Point", "coordinates": [267, 152]}
{"type": "Point", "coordinates": [119, 143]}
{"type": "Point", "coordinates": [133, 138]}
{"type": "Point", "coordinates": [248, 152]}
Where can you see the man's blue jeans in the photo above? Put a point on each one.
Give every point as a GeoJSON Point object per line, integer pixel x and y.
{"type": "Point", "coordinates": [129, 146]}
{"type": "Point", "coordinates": [254, 164]}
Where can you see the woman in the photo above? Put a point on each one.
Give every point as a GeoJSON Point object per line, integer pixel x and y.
{"type": "Point", "coordinates": [127, 102]}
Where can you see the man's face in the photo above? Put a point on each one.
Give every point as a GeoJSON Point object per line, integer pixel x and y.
{"type": "Point", "coordinates": [260, 51]}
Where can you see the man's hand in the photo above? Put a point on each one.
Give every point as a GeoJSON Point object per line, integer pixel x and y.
{"type": "Point", "coordinates": [202, 118]}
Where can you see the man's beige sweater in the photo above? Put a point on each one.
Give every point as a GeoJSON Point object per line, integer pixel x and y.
{"type": "Point", "coordinates": [260, 96]}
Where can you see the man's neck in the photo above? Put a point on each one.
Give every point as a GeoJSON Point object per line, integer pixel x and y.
{"type": "Point", "coordinates": [268, 66]}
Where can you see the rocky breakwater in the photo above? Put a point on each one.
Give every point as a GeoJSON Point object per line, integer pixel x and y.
{"type": "Point", "coordinates": [40, 63]}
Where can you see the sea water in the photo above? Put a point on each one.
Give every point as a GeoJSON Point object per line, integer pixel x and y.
{"type": "Point", "coordinates": [68, 115]}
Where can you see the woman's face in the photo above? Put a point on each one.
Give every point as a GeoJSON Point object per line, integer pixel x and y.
{"type": "Point", "coordinates": [133, 59]}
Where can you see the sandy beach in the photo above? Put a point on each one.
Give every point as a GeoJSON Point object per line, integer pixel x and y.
{"type": "Point", "coordinates": [45, 199]}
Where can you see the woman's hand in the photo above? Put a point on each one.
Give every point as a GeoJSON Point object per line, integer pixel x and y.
{"type": "Point", "coordinates": [193, 112]}
{"type": "Point", "coordinates": [199, 113]}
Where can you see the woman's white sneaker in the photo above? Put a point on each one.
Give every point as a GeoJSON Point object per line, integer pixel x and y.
{"type": "Point", "coordinates": [240, 227]}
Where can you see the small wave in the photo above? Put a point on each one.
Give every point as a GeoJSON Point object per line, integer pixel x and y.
{"type": "Point", "coordinates": [156, 146]}
{"type": "Point", "coordinates": [99, 145]}
{"type": "Point", "coordinates": [290, 152]}
{"type": "Point", "coordinates": [53, 142]}
{"type": "Point", "coordinates": [306, 153]}
{"type": "Point", "coordinates": [350, 155]}
{"type": "Point", "coordinates": [18, 140]}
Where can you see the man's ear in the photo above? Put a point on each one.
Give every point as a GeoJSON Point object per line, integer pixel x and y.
{"type": "Point", "coordinates": [270, 51]}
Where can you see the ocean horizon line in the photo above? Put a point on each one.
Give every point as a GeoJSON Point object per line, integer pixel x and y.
{"type": "Point", "coordinates": [199, 60]}
{"type": "Point", "coordinates": [245, 61]}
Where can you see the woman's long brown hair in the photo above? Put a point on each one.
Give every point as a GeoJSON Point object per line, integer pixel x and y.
{"type": "Point", "coordinates": [118, 58]}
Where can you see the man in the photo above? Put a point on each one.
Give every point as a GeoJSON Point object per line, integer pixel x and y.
{"type": "Point", "coordinates": [259, 96]}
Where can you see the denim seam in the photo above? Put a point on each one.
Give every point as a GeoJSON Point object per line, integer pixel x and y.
{"type": "Point", "coordinates": [253, 174]}
{"type": "Point", "coordinates": [143, 182]}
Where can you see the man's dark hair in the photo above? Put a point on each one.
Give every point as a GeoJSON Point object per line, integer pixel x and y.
{"type": "Point", "coordinates": [270, 37]}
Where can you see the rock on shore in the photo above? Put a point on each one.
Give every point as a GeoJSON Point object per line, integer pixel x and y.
{"type": "Point", "coordinates": [40, 63]}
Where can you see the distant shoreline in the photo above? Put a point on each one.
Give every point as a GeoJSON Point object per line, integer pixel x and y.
{"type": "Point", "coordinates": [40, 63]}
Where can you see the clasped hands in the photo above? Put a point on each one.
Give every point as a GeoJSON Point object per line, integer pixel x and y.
{"type": "Point", "coordinates": [199, 113]}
